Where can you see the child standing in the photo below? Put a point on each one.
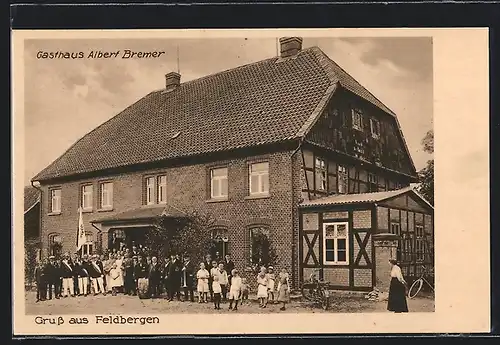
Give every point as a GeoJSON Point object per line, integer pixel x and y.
{"type": "Point", "coordinates": [217, 289]}
{"type": "Point", "coordinates": [202, 275]}
{"type": "Point", "coordinates": [245, 289]}
{"type": "Point", "coordinates": [235, 289]}
{"type": "Point", "coordinates": [271, 277]}
{"type": "Point", "coordinates": [262, 288]}
{"type": "Point", "coordinates": [283, 288]}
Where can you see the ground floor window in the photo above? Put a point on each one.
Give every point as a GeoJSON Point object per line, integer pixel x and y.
{"type": "Point", "coordinates": [55, 245]}
{"type": "Point", "coordinates": [88, 246]}
{"type": "Point", "coordinates": [260, 246]}
{"type": "Point", "coordinates": [335, 243]}
{"type": "Point", "coordinates": [220, 244]}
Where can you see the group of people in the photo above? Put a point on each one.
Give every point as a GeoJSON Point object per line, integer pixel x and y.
{"type": "Point", "coordinates": [132, 271]}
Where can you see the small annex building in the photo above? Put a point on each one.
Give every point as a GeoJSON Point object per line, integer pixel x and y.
{"type": "Point", "coordinates": [351, 237]}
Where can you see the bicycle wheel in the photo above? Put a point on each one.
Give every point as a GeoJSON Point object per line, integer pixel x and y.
{"type": "Point", "coordinates": [415, 288]}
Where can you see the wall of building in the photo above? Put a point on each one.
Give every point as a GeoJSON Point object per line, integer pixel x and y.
{"type": "Point", "coordinates": [188, 189]}
{"type": "Point", "coordinates": [407, 213]}
{"type": "Point", "coordinates": [358, 181]}
{"type": "Point", "coordinates": [358, 273]}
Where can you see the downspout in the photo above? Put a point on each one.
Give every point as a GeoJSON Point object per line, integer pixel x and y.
{"type": "Point", "coordinates": [294, 243]}
{"type": "Point", "coordinates": [39, 215]}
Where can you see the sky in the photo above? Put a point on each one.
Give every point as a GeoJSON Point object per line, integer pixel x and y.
{"type": "Point", "coordinates": [67, 98]}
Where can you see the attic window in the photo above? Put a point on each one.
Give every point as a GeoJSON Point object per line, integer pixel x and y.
{"type": "Point", "coordinates": [357, 119]}
{"type": "Point", "coordinates": [176, 135]}
{"type": "Point", "coordinates": [375, 128]}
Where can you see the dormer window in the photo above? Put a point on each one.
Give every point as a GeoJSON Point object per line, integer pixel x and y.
{"type": "Point", "coordinates": [375, 128]}
{"type": "Point", "coordinates": [357, 119]}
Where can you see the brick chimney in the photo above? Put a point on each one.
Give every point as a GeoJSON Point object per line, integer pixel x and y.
{"type": "Point", "coordinates": [172, 81]}
{"type": "Point", "coordinates": [290, 46]}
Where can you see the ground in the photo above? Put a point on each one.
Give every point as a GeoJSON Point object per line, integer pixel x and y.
{"type": "Point", "coordinates": [120, 304]}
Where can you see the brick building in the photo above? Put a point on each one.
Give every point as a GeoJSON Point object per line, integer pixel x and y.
{"type": "Point", "coordinates": [247, 145]}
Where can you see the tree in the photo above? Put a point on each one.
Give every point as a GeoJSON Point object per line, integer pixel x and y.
{"type": "Point", "coordinates": [191, 235]}
{"type": "Point", "coordinates": [426, 175]}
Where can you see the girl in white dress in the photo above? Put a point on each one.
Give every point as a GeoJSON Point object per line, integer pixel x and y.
{"type": "Point", "coordinates": [116, 275]}
{"type": "Point", "coordinates": [271, 278]}
{"type": "Point", "coordinates": [202, 275]}
{"type": "Point", "coordinates": [262, 289]}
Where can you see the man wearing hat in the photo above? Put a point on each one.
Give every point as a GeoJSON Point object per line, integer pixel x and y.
{"type": "Point", "coordinates": [52, 277]}
{"type": "Point", "coordinates": [67, 273]}
{"type": "Point", "coordinates": [174, 278]}
{"type": "Point", "coordinates": [188, 273]}
{"type": "Point", "coordinates": [96, 272]}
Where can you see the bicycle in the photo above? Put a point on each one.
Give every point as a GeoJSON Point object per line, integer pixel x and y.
{"type": "Point", "coordinates": [418, 284]}
{"type": "Point", "coordinates": [316, 290]}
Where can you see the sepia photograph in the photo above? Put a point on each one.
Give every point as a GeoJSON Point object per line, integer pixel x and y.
{"type": "Point", "coordinates": [277, 175]}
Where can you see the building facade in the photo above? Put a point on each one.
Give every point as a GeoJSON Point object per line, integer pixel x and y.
{"type": "Point", "coordinates": [250, 146]}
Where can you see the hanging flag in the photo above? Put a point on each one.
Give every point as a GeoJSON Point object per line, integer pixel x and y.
{"type": "Point", "coordinates": [80, 235]}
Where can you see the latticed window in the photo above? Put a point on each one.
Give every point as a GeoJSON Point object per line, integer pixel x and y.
{"type": "Point", "coordinates": [55, 200]}
{"type": "Point", "coordinates": [162, 189]}
{"type": "Point", "coordinates": [357, 119]}
{"type": "Point", "coordinates": [88, 246]}
{"type": "Point", "coordinates": [87, 197]}
{"type": "Point", "coordinates": [375, 128]}
{"type": "Point", "coordinates": [218, 183]}
{"type": "Point", "coordinates": [259, 178]}
{"type": "Point", "coordinates": [335, 246]}
{"type": "Point", "coordinates": [150, 190]}
{"type": "Point", "coordinates": [55, 244]}
{"type": "Point", "coordinates": [106, 201]}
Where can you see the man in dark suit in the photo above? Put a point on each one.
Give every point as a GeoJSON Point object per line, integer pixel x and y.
{"type": "Point", "coordinates": [164, 275]}
{"type": "Point", "coordinates": [41, 281]}
{"type": "Point", "coordinates": [128, 265]}
{"type": "Point", "coordinates": [141, 271]}
{"type": "Point", "coordinates": [229, 267]}
{"type": "Point", "coordinates": [96, 273]}
{"type": "Point", "coordinates": [188, 272]}
{"type": "Point", "coordinates": [154, 276]}
{"type": "Point", "coordinates": [174, 278]}
{"type": "Point", "coordinates": [53, 278]}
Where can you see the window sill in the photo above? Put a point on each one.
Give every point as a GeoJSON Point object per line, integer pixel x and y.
{"type": "Point", "coordinates": [107, 209]}
{"type": "Point", "coordinates": [217, 200]}
{"type": "Point", "coordinates": [258, 196]}
{"type": "Point", "coordinates": [54, 213]}
{"type": "Point", "coordinates": [89, 210]}
{"type": "Point", "coordinates": [336, 264]}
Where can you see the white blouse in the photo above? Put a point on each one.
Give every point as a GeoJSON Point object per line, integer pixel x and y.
{"type": "Point", "coordinates": [396, 273]}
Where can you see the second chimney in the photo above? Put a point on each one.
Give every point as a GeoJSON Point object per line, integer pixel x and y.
{"type": "Point", "coordinates": [172, 80]}
{"type": "Point", "coordinates": [290, 46]}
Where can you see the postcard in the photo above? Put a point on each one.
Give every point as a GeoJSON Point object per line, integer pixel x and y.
{"type": "Point", "coordinates": [250, 181]}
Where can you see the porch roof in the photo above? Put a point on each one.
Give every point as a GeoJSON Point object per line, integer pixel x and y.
{"type": "Point", "coordinates": [360, 198]}
{"type": "Point", "coordinates": [142, 213]}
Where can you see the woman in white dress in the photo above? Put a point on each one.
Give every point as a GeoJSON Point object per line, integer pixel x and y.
{"type": "Point", "coordinates": [116, 274]}
{"type": "Point", "coordinates": [262, 289]}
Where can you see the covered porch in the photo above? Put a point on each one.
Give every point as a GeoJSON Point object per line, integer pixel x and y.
{"type": "Point", "coordinates": [130, 228]}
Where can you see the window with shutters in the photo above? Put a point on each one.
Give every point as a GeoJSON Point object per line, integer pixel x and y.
{"type": "Point", "coordinates": [335, 243]}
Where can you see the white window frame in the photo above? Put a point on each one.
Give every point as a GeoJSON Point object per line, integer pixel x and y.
{"type": "Point", "coordinates": [161, 189]}
{"type": "Point", "coordinates": [375, 128]}
{"type": "Point", "coordinates": [261, 175]}
{"type": "Point", "coordinates": [357, 119]}
{"type": "Point", "coordinates": [342, 179]}
{"type": "Point", "coordinates": [87, 245]}
{"type": "Point", "coordinates": [321, 174]}
{"type": "Point", "coordinates": [216, 190]}
{"type": "Point", "coordinates": [150, 190]}
{"type": "Point", "coordinates": [335, 242]}
{"type": "Point", "coordinates": [106, 198]}
{"type": "Point", "coordinates": [90, 194]}
{"type": "Point", "coordinates": [55, 200]}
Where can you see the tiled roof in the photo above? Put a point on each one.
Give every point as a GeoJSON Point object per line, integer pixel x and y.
{"type": "Point", "coordinates": [31, 197]}
{"type": "Point", "coordinates": [261, 103]}
{"type": "Point", "coordinates": [342, 199]}
{"type": "Point", "coordinates": [144, 212]}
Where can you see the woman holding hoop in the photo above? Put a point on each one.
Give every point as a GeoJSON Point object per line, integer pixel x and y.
{"type": "Point", "coordinates": [397, 290]}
